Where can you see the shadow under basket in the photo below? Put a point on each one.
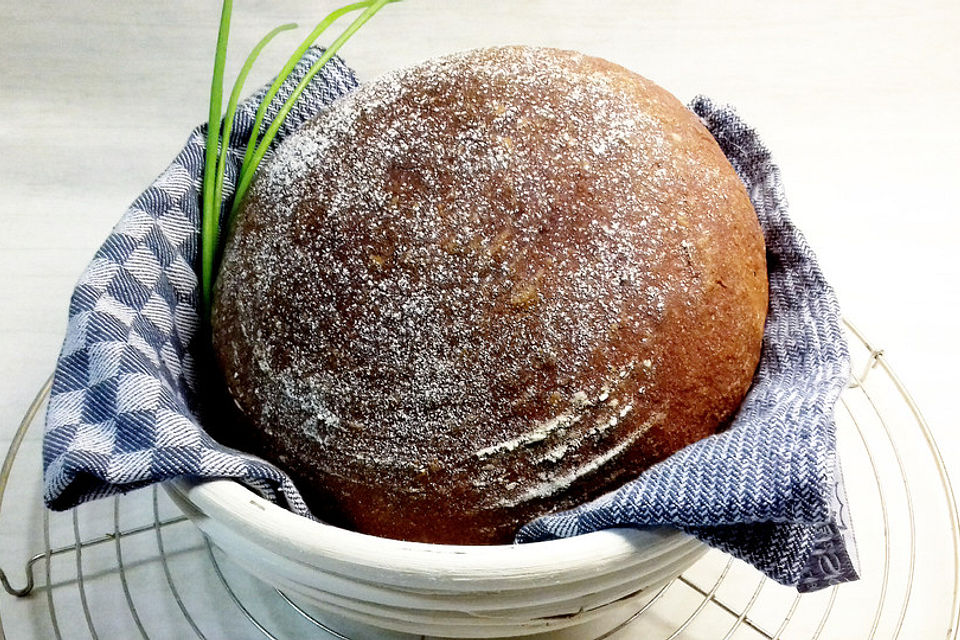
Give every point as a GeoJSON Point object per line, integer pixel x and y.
{"type": "Point", "coordinates": [454, 591]}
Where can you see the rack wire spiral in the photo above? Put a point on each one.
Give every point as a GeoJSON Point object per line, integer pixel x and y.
{"type": "Point", "coordinates": [138, 556]}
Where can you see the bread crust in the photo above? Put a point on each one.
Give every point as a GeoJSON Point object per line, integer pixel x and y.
{"type": "Point", "coordinates": [486, 288]}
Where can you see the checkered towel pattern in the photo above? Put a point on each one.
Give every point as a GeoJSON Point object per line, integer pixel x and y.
{"type": "Point", "coordinates": [122, 411]}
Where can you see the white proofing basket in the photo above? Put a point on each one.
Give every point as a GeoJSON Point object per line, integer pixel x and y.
{"type": "Point", "coordinates": [438, 590]}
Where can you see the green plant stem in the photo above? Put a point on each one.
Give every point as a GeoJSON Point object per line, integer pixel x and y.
{"type": "Point", "coordinates": [216, 152]}
{"type": "Point", "coordinates": [249, 168]}
{"type": "Point", "coordinates": [209, 223]}
{"type": "Point", "coordinates": [295, 57]}
{"type": "Point", "coordinates": [231, 114]}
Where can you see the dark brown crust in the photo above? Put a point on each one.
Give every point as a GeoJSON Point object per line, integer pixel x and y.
{"type": "Point", "coordinates": [377, 439]}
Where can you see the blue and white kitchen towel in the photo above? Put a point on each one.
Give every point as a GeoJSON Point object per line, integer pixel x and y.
{"type": "Point", "coordinates": [122, 411]}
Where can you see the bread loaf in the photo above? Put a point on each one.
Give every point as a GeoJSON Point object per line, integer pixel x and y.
{"type": "Point", "coordinates": [488, 287]}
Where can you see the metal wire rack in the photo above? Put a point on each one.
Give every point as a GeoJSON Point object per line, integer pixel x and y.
{"type": "Point", "coordinates": [133, 567]}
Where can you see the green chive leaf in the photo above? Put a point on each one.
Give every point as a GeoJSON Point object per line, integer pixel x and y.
{"type": "Point", "coordinates": [231, 114]}
{"type": "Point", "coordinates": [208, 233]}
{"type": "Point", "coordinates": [215, 157]}
{"type": "Point", "coordinates": [287, 69]}
{"type": "Point", "coordinates": [249, 168]}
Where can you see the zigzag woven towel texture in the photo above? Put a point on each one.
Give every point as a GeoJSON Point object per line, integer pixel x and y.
{"type": "Point", "coordinates": [122, 412]}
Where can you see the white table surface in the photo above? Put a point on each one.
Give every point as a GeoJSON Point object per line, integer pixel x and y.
{"type": "Point", "coordinates": [857, 101]}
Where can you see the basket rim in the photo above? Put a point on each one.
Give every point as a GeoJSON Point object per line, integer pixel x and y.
{"type": "Point", "coordinates": [215, 505]}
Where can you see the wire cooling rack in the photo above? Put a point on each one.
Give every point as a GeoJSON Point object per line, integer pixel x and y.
{"type": "Point", "coordinates": [134, 567]}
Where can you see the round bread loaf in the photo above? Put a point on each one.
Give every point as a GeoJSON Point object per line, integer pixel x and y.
{"type": "Point", "coordinates": [488, 287]}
